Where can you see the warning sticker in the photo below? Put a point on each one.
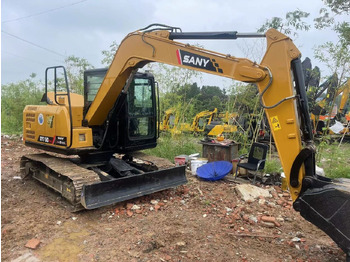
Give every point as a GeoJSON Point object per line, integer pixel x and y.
{"type": "Point", "coordinates": [275, 123]}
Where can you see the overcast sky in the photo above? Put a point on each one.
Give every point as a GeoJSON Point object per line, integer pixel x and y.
{"type": "Point", "coordinates": [40, 33]}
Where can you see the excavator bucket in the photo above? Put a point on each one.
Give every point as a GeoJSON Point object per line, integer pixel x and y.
{"type": "Point", "coordinates": [117, 190]}
{"type": "Point", "coordinates": [328, 208]}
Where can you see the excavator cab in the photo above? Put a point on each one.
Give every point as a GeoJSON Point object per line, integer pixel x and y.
{"type": "Point", "coordinates": [133, 118]}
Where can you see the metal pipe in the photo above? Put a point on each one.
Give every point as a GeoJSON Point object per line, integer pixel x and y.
{"type": "Point", "coordinates": [213, 35]}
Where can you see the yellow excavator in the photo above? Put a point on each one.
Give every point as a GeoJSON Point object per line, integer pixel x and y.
{"type": "Point", "coordinates": [319, 113]}
{"type": "Point", "coordinates": [200, 121]}
{"type": "Point", "coordinates": [120, 116]}
{"type": "Point", "coordinates": [170, 120]}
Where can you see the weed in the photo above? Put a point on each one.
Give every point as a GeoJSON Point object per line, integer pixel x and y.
{"type": "Point", "coordinates": [272, 166]}
{"type": "Point", "coordinates": [206, 202]}
{"type": "Point", "coordinates": [335, 160]}
{"type": "Point", "coordinates": [171, 146]}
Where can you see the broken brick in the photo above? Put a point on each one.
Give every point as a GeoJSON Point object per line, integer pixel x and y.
{"type": "Point", "coordinates": [280, 202]}
{"type": "Point", "coordinates": [129, 205]}
{"type": "Point", "coordinates": [268, 219]}
{"type": "Point", "coordinates": [277, 224]}
{"type": "Point", "coordinates": [33, 243]}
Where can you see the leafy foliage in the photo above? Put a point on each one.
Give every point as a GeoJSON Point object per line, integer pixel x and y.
{"type": "Point", "coordinates": [336, 57]}
{"type": "Point", "coordinates": [14, 97]}
{"type": "Point", "coordinates": [75, 67]}
{"type": "Point", "coordinates": [338, 6]}
{"type": "Point", "coordinates": [292, 21]}
{"type": "Point", "coordinates": [272, 166]}
{"type": "Point", "coordinates": [108, 55]}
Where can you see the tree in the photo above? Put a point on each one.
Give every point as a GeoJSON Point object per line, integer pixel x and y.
{"type": "Point", "coordinates": [338, 6]}
{"type": "Point", "coordinates": [75, 67]}
{"type": "Point", "coordinates": [108, 55]}
{"type": "Point", "coordinates": [327, 18]}
{"type": "Point", "coordinates": [337, 58]}
{"type": "Point", "coordinates": [292, 22]}
{"type": "Point", "coordinates": [14, 97]}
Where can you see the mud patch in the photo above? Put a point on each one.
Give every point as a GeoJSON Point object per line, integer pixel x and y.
{"type": "Point", "coordinates": [66, 248]}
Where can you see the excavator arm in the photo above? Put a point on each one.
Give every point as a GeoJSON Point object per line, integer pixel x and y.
{"type": "Point", "coordinates": [272, 76]}
{"type": "Point", "coordinates": [345, 89]}
{"type": "Point", "coordinates": [142, 47]}
{"type": "Point", "coordinates": [280, 81]}
{"type": "Point", "coordinates": [195, 127]}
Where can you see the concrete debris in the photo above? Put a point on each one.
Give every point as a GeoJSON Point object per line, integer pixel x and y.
{"type": "Point", "coordinates": [228, 210]}
{"type": "Point", "coordinates": [135, 207]}
{"type": "Point", "coordinates": [296, 239]}
{"type": "Point", "coordinates": [27, 257]}
{"type": "Point", "coordinates": [154, 202]}
{"type": "Point", "coordinates": [250, 193]}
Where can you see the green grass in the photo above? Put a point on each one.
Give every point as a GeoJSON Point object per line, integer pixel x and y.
{"type": "Point", "coordinates": [334, 160]}
{"type": "Point", "coordinates": [273, 165]}
{"type": "Point", "coordinates": [171, 146]}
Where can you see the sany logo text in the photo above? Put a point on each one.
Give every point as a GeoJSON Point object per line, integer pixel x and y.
{"type": "Point", "coordinates": [197, 61]}
{"type": "Point", "coordinates": [193, 60]}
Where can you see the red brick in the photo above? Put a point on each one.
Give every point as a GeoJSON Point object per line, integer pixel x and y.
{"type": "Point", "coordinates": [129, 205]}
{"type": "Point", "coordinates": [129, 213]}
{"type": "Point", "coordinates": [246, 217]}
{"type": "Point", "coordinates": [291, 243]}
{"type": "Point", "coordinates": [277, 224]}
{"type": "Point", "coordinates": [33, 243]}
{"type": "Point", "coordinates": [268, 219]}
{"type": "Point", "coordinates": [280, 202]}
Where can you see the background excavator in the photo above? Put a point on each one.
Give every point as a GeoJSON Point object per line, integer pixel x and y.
{"type": "Point", "coordinates": [200, 121]}
{"type": "Point", "coordinates": [122, 118]}
{"type": "Point", "coordinates": [170, 120]}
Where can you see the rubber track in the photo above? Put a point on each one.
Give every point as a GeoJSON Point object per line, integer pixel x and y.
{"type": "Point", "coordinates": [79, 176]}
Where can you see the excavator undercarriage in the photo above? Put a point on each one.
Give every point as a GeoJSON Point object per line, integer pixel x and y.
{"type": "Point", "coordinates": [93, 185]}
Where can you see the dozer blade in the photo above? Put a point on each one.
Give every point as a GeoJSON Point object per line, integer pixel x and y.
{"type": "Point", "coordinates": [109, 192]}
{"type": "Point", "coordinates": [328, 208]}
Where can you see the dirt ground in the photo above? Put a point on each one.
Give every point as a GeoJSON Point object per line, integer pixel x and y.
{"type": "Point", "coordinates": [201, 221]}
